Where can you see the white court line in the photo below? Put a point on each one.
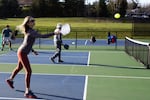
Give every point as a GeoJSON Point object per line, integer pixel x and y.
{"type": "Point", "coordinates": [89, 56]}
{"type": "Point", "coordinates": [44, 56]}
{"type": "Point", "coordinates": [85, 87]}
{"type": "Point", "coordinates": [121, 77]}
{"type": "Point", "coordinates": [100, 76]}
{"type": "Point", "coordinates": [6, 98]}
{"type": "Point", "coordinates": [15, 55]}
{"type": "Point", "coordinates": [86, 81]}
{"type": "Point", "coordinates": [42, 74]}
{"type": "Point", "coordinates": [50, 64]}
{"type": "Point", "coordinates": [86, 42]}
{"type": "Point", "coordinates": [3, 54]}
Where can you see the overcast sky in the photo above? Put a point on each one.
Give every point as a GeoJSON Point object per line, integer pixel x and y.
{"type": "Point", "coordinates": [142, 2]}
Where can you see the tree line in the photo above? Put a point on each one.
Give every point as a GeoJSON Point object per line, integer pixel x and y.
{"type": "Point", "coordinates": [68, 8]}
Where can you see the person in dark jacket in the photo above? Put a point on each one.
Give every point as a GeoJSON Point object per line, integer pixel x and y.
{"type": "Point", "coordinates": [6, 34]}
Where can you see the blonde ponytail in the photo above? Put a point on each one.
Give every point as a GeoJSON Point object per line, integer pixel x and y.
{"type": "Point", "coordinates": [23, 27]}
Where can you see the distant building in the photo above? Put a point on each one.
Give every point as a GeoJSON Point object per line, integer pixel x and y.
{"type": "Point", "coordinates": [137, 13]}
{"type": "Point", "coordinates": [23, 3]}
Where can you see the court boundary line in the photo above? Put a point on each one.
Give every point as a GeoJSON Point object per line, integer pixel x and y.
{"type": "Point", "coordinates": [120, 77]}
{"type": "Point", "coordinates": [41, 52]}
{"type": "Point", "coordinates": [43, 74]}
{"type": "Point", "coordinates": [56, 64]}
{"type": "Point", "coordinates": [96, 76]}
{"type": "Point", "coordinates": [45, 56]}
{"type": "Point", "coordinates": [67, 65]}
{"type": "Point", "coordinates": [85, 87]}
{"type": "Point", "coordinates": [11, 98]}
{"type": "Point", "coordinates": [86, 64]}
{"type": "Point", "coordinates": [86, 80]}
{"type": "Point", "coordinates": [85, 43]}
{"type": "Point", "coordinates": [89, 58]}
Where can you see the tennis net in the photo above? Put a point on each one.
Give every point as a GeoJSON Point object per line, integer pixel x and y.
{"type": "Point", "coordinates": [139, 50]}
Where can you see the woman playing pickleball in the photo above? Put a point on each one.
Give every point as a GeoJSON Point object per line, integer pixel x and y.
{"type": "Point", "coordinates": [23, 62]}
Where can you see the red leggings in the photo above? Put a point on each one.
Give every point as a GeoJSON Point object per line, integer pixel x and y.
{"type": "Point", "coordinates": [23, 62]}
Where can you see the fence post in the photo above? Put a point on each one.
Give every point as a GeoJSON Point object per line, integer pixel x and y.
{"type": "Point", "coordinates": [76, 41]}
{"type": "Point", "coordinates": [0, 40]}
{"type": "Point", "coordinates": [39, 41]}
{"type": "Point", "coordinates": [116, 41]}
{"type": "Point", "coordinates": [148, 65]}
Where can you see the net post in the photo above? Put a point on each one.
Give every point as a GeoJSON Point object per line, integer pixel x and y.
{"type": "Point", "coordinates": [148, 65]}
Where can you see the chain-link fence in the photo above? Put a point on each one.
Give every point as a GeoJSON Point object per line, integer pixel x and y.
{"type": "Point", "coordinates": [82, 40]}
{"type": "Point", "coordinates": [141, 27]}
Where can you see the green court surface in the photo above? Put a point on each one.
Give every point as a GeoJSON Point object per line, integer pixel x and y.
{"type": "Point", "coordinates": [112, 75]}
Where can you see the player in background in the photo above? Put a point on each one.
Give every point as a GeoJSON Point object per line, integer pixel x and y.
{"type": "Point", "coordinates": [57, 43]}
{"type": "Point", "coordinates": [93, 39]}
{"type": "Point", "coordinates": [6, 34]}
{"type": "Point", "coordinates": [111, 38]}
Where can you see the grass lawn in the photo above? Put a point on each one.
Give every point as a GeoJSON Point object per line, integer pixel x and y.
{"type": "Point", "coordinates": [76, 23]}
{"type": "Point", "coordinates": [85, 26]}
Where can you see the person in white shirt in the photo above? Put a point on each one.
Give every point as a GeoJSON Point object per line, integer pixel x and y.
{"type": "Point", "coordinates": [57, 43]}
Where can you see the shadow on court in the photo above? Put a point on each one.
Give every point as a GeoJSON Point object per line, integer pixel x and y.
{"type": "Point", "coordinates": [56, 96]}
{"type": "Point", "coordinates": [47, 87]}
{"type": "Point", "coordinates": [123, 67]}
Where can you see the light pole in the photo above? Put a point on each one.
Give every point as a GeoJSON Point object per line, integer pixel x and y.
{"type": "Point", "coordinates": [87, 8]}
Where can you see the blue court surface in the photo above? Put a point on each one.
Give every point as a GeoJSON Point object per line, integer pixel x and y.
{"type": "Point", "coordinates": [45, 87]}
{"type": "Point", "coordinates": [69, 58]}
{"type": "Point", "coordinates": [80, 42]}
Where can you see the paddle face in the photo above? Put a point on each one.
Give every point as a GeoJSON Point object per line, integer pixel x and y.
{"type": "Point", "coordinates": [66, 46]}
{"type": "Point", "coordinates": [65, 29]}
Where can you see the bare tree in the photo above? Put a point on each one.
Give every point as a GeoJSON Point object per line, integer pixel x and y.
{"type": "Point", "coordinates": [135, 4]}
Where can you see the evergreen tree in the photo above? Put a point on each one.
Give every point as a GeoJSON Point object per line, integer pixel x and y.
{"type": "Point", "coordinates": [103, 11]}
{"type": "Point", "coordinates": [39, 8]}
{"type": "Point", "coordinates": [123, 7]}
{"type": "Point", "coordinates": [74, 8]}
{"type": "Point", "coordinates": [9, 8]}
